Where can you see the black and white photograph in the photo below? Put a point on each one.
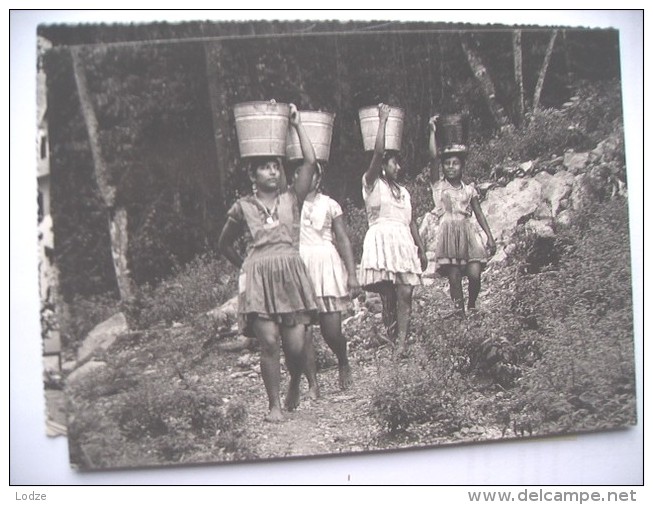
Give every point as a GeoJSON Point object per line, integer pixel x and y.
{"type": "Point", "coordinates": [266, 240]}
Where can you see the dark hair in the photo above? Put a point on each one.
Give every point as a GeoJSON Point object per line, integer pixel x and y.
{"type": "Point", "coordinates": [461, 155]}
{"type": "Point", "coordinates": [257, 161]}
{"type": "Point", "coordinates": [389, 154]}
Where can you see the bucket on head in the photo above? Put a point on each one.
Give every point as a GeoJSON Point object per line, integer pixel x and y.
{"type": "Point", "coordinates": [262, 128]}
{"type": "Point", "coordinates": [394, 128]}
{"type": "Point", "coordinates": [319, 128]}
{"type": "Point", "coordinates": [452, 132]}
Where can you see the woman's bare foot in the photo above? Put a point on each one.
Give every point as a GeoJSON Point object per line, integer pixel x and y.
{"type": "Point", "coordinates": [344, 377]}
{"type": "Point", "coordinates": [292, 396]}
{"type": "Point", "coordinates": [314, 392]}
{"type": "Point", "coordinates": [274, 416]}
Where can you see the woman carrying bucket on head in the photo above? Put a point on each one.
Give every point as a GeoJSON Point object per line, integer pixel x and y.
{"type": "Point", "coordinates": [393, 255]}
{"type": "Point", "coordinates": [325, 248]}
{"type": "Point", "coordinates": [459, 248]}
{"type": "Point", "coordinates": [276, 299]}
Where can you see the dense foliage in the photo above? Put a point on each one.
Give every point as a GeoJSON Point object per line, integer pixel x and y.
{"type": "Point", "coordinates": [552, 351]}
{"type": "Point", "coordinates": [174, 160]}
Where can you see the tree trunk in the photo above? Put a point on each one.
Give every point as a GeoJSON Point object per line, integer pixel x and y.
{"type": "Point", "coordinates": [214, 52]}
{"type": "Point", "coordinates": [519, 78]}
{"type": "Point", "coordinates": [543, 69]}
{"type": "Point", "coordinates": [483, 78]}
{"type": "Point", "coordinates": [119, 244]}
{"type": "Point", "coordinates": [117, 216]}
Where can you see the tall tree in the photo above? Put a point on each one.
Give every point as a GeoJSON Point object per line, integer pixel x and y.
{"type": "Point", "coordinates": [218, 95]}
{"type": "Point", "coordinates": [543, 69]}
{"type": "Point", "coordinates": [487, 86]}
{"type": "Point", "coordinates": [117, 215]}
{"type": "Point", "coordinates": [519, 78]}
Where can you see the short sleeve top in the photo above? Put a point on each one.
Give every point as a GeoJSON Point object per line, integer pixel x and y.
{"type": "Point", "coordinates": [448, 199]}
{"type": "Point", "coordinates": [384, 205]}
{"type": "Point", "coordinates": [263, 237]}
{"type": "Point", "coordinates": [317, 219]}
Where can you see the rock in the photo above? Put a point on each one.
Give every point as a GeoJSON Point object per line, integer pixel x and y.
{"type": "Point", "coordinates": [484, 187]}
{"type": "Point", "coordinates": [499, 256]}
{"type": "Point", "coordinates": [575, 162]}
{"type": "Point", "coordinates": [527, 167]}
{"type": "Point", "coordinates": [246, 361]}
{"type": "Point", "coordinates": [240, 343]}
{"type": "Point", "coordinates": [565, 218]}
{"type": "Point", "coordinates": [68, 366]}
{"type": "Point", "coordinates": [79, 374]}
{"type": "Point", "coordinates": [225, 314]}
{"type": "Point", "coordinates": [428, 231]}
{"type": "Point", "coordinates": [556, 188]}
{"type": "Point", "coordinates": [606, 148]}
{"type": "Point", "coordinates": [541, 227]}
{"type": "Point", "coordinates": [543, 211]}
{"type": "Point", "coordinates": [102, 336]}
{"type": "Point", "coordinates": [506, 207]}
{"type": "Point", "coordinates": [595, 185]}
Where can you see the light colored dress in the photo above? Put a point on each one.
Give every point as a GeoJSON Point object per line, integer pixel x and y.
{"type": "Point", "coordinates": [458, 240]}
{"type": "Point", "coordinates": [389, 250]}
{"type": "Point", "coordinates": [316, 247]}
{"type": "Point", "coordinates": [273, 282]}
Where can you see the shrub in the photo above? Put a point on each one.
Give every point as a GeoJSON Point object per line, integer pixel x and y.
{"type": "Point", "coordinates": [418, 393]}
{"type": "Point", "coordinates": [197, 287]}
{"type": "Point", "coordinates": [118, 419]}
{"type": "Point", "coordinates": [585, 377]}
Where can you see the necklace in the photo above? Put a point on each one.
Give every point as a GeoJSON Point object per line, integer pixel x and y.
{"type": "Point", "coordinates": [269, 213]}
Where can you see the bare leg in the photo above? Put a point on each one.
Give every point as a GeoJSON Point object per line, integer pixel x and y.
{"type": "Point", "coordinates": [473, 272]}
{"type": "Point", "coordinates": [292, 340]}
{"type": "Point", "coordinates": [455, 275]}
{"type": "Point", "coordinates": [389, 300]}
{"type": "Point", "coordinates": [404, 306]}
{"type": "Point", "coordinates": [310, 369]}
{"type": "Point", "coordinates": [330, 324]}
{"type": "Point", "coordinates": [267, 333]}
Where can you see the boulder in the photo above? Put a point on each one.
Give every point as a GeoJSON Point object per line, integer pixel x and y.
{"type": "Point", "coordinates": [595, 185]}
{"type": "Point", "coordinates": [225, 314]}
{"type": "Point", "coordinates": [575, 162]}
{"type": "Point", "coordinates": [102, 336]}
{"type": "Point", "coordinates": [541, 227]}
{"type": "Point", "coordinates": [556, 188]}
{"type": "Point", "coordinates": [565, 218]}
{"type": "Point", "coordinates": [88, 368]}
{"type": "Point", "coordinates": [507, 207]}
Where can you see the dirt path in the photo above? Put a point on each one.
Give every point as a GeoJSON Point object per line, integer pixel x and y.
{"type": "Point", "coordinates": [337, 422]}
{"type": "Point", "coordinates": [340, 421]}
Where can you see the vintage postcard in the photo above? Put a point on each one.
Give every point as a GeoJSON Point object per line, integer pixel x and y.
{"type": "Point", "coordinates": [273, 239]}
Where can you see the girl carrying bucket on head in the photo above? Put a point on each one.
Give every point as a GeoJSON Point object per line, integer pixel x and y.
{"type": "Point", "coordinates": [325, 248]}
{"type": "Point", "coordinates": [459, 248]}
{"type": "Point", "coordinates": [393, 255]}
{"type": "Point", "coordinates": [276, 299]}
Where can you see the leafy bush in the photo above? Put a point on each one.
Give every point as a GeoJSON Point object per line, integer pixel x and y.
{"type": "Point", "coordinates": [584, 310]}
{"type": "Point", "coordinates": [197, 287]}
{"type": "Point", "coordinates": [119, 419]}
{"type": "Point", "coordinates": [550, 132]}
{"type": "Point", "coordinates": [419, 392]}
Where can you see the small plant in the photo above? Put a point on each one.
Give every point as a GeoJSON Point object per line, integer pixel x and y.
{"type": "Point", "coordinates": [197, 287]}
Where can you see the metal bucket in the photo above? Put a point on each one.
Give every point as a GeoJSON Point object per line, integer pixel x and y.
{"type": "Point", "coordinates": [394, 128]}
{"type": "Point", "coordinates": [452, 130]}
{"type": "Point", "coordinates": [319, 127]}
{"type": "Point", "coordinates": [262, 128]}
